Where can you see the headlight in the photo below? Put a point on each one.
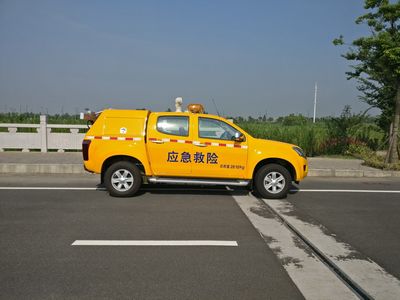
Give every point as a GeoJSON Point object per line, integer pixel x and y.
{"type": "Point", "coordinates": [299, 151]}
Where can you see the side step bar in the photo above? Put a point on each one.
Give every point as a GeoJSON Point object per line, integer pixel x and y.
{"type": "Point", "coordinates": [198, 181]}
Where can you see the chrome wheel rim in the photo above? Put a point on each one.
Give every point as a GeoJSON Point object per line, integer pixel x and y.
{"type": "Point", "coordinates": [274, 182]}
{"type": "Point", "coordinates": [122, 180]}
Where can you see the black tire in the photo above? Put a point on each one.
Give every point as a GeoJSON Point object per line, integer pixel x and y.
{"type": "Point", "coordinates": [122, 179]}
{"type": "Point", "coordinates": [279, 188]}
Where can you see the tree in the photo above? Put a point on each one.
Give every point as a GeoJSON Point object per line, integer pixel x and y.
{"type": "Point", "coordinates": [377, 67]}
{"type": "Point", "coordinates": [293, 119]}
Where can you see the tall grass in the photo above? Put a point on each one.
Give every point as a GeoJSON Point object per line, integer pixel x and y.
{"type": "Point", "coordinates": [329, 135]}
{"type": "Point", "coordinates": [32, 118]}
{"type": "Point", "coordinates": [320, 138]}
{"type": "Point", "coordinates": [312, 138]}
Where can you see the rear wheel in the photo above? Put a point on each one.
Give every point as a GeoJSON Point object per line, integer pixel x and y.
{"type": "Point", "coordinates": [122, 179]}
{"type": "Point", "coordinates": [272, 181]}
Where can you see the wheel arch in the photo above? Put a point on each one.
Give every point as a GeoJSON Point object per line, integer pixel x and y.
{"type": "Point", "coordinates": [116, 158]}
{"type": "Point", "coordinates": [278, 161]}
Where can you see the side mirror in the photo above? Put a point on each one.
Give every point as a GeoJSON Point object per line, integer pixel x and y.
{"type": "Point", "coordinates": [239, 137]}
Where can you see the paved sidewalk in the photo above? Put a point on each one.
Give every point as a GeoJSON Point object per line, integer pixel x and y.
{"type": "Point", "coordinates": [339, 167]}
{"type": "Point", "coordinates": [71, 162]}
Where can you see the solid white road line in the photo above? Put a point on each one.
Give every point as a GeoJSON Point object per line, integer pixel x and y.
{"type": "Point", "coordinates": [49, 188]}
{"type": "Point", "coordinates": [314, 280]}
{"type": "Point", "coordinates": [153, 243]}
{"type": "Point", "coordinates": [368, 275]}
{"type": "Point", "coordinates": [44, 188]}
{"type": "Point", "coordinates": [344, 191]}
{"type": "Point", "coordinates": [191, 189]}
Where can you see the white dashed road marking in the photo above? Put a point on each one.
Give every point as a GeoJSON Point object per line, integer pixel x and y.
{"type": "Point", "coordinates": [153, 243]}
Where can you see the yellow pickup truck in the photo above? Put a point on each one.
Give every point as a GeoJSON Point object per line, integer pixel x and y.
{"type": "Point", "coordinates": [131, 147]}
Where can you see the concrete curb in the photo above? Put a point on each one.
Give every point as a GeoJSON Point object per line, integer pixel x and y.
{"type": "Point", "coordinates": [352, 173]}
{"type": "Point", "coordinates": [13, 168]}
{"type": "Point", "coordinates": [42, 168]}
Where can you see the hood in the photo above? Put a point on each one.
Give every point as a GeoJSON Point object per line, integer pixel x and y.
{"type": "Point", "coordinates": [273, 144]}
{"type": "Point", "coordinates": [270, 148]}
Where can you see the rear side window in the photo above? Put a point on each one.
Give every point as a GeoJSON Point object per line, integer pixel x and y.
{"type": "Point", "coordinates": [173, 125]}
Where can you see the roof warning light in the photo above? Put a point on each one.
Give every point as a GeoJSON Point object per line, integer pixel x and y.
{"type": "Point", "coordinates": [195, 108]}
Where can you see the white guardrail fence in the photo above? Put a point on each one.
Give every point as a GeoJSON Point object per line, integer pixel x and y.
{"type": "Point", "coordinates": [43, 139]}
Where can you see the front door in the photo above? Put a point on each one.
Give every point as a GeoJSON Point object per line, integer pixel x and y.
{"type": "Point", "coordinates": [215, 153]}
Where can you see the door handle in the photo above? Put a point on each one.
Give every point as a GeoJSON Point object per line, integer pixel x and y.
{"type": "Point", "coordinates": [157, 141]}
{"type": "Point", "coordinates": [200, 145]}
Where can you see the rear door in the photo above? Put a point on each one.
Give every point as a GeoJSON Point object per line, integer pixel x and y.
{"type": "Point", "coordinates": [169, 144]}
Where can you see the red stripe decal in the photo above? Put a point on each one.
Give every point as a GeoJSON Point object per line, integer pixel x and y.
{"type": "Point", "coordinates": [238, 146]}
{"type": "Point", "coordinates": [222, 145]}
{"type": "Point", "coordinates": [188, 142]}
{"type": "Point", "coordinates": [152, 139]}
{"type": "Point", "coordinates": [97, 137]}
{"type": "Point", "coordinates": [128, 139]}
{"type": "Point", "coordinates": [208, 143]}
{"type": "Point", "coordinates": [173, 141]}
{"type": "Point", "coordinates": [113, 137]}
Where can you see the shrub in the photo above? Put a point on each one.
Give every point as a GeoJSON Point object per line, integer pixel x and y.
{"type": "Point", "coordinates": [371, 158]}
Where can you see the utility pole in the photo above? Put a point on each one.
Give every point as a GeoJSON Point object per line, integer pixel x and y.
{"type": "Point", "coordinates": [315, 101]}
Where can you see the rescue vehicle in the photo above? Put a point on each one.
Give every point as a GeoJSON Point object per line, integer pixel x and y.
{"type": "Point", "coordinates": [132, 147]}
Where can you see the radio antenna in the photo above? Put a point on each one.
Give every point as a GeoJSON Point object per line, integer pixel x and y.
{"type": "Point", "coordinates": [216, 108]}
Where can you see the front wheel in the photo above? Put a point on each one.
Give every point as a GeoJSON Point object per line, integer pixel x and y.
{"type": "Point", "coordinates": [122, 179]}
{"type": "Point", "coordinates": [272, 181]}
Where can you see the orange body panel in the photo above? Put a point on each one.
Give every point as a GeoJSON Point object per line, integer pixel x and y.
{"type": "Point", "coordinates": [134, 133]}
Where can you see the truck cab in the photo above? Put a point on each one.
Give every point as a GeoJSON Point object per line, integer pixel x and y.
{"type": "Point", "coordinates": [131, 147]}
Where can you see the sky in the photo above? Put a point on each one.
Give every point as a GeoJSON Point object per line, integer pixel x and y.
{"type": "Point", "coordinates": [251, 57]}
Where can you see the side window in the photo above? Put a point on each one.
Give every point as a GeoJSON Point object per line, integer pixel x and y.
{"type": "Point", "coordinates": [216, 129]}
{"type": "Point", "coordinates": [173, 125]}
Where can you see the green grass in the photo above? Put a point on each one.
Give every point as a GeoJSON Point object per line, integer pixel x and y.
{"type": "Point", "coordinates": [319, 138]}
{"type": "Point", "coordinates": [31, 118]}
{"type": "Point", "coordinates": [312, 138]}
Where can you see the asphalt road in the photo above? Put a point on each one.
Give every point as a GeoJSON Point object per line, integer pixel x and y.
{"type": "Point", "coordinates": [368, 222]}
{"type": "Point", "coordinates": [37, 228]}
{"type": "Point", "coordinates": [38, 262]}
